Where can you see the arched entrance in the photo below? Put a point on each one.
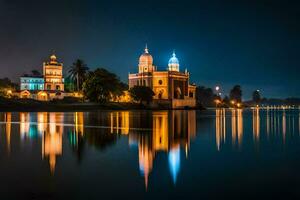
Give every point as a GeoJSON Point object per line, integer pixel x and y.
{"type": "Point", "coordinates": [25, 94]}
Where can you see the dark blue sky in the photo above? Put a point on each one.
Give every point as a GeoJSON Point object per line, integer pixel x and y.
{"type": "Point", "coordinates": [251, 43]}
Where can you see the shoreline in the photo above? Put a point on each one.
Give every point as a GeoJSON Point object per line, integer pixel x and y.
{"type": "Point", "coordinates": [39, 106]}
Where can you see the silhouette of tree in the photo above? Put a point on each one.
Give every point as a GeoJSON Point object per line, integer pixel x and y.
{"type": "Point", "coordinates": [35, 72]}
{"type": "Point", "coordinates": [141, 94]}
{"type": "Point", "coordinates": [102, 86]}
{"type": "Point", "coordinates": [236, 93]}
{"type": "Point", "coordinates": [226, 101]}
{"type": "Point", "coordinates": [78, 73]}
{"type": "Point", "coordinates": [205, 96]}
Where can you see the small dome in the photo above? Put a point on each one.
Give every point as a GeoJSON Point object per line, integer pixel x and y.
{"type": "Point", "coordinates": [173, 63]}
{"type": "Point", "coordinates": [53, 57]}
{"type": "Point", "coordinates": [146, 60]}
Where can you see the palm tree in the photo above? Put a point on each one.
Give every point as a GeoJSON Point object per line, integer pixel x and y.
{"type": "Point", "coordinates": [77, 72]}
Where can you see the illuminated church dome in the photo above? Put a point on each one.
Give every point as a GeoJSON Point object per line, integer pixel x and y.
{"type": "Point", "coordinates": [173, 63]}
{"type": "Point", "coordinates": [146, 61]}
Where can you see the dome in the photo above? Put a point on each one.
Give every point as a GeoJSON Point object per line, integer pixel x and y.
{"type": "Point", "coordinates": [145, 61]}
{"type": "Point", "coordinates": [53, 57]}
{"type": "Point", "coordinates": [173, 63]}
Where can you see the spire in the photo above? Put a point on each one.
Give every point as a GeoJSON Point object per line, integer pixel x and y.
{"type": "Point", "coordinates": [174, 54]}
{"type": "Point", "coordinates": [146, 48]}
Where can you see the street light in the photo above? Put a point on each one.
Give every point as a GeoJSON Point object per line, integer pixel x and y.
{"type": "Point", "coordinates": [232, 102]}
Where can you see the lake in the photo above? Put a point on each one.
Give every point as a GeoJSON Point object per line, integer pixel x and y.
{"type": "Point", "coordinates": [223, 153]}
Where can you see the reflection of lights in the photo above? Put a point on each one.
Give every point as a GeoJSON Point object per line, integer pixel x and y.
{"type": "Point", "coordinates": [119, 121]}
{"type": "Point", "coordinates": [8, 129]}
{"type": "Point", "coordinates": [240, 126]}
{"type": "Point", "coordinates": [174, 162]}
{"type": "Point", "coordinates": [145, 160]}
{"type": "Point", "coordinates": [24, 124]}
{"type": "Point", "coordinates": [160, 131]}
{"type": "Point", "coordinates": [256, 124]}
{"type": "Point", "coordinates": [220, 127]}
{"type": "Point", "coordinates": [283, 125]}
{"type": "Point", "coordinates": [268, 122]}
{"type": "Point", "coordinates": [233, 125]}
{"type": "Point", "coordinates": [42, 120]}
{"type": "Point", "coordinates": [52, 140]}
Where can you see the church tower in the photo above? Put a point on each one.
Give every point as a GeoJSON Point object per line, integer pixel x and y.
{"type": "Point", "coordinates": [146, 62]}
{"type": "Point", "coordinates": [53, 75]}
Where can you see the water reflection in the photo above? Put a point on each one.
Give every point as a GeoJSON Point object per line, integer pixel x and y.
{"type": "Point", "coordinates": [256, 124]}
{"type": "Point", "coordinates": [237, 126]}
{"type": "Point", "coordinates": [279, 123]}
{"type": "Point", "coordinates": [171, 130]}
{"type": "Point", "coordinates": [168, 133]}
{"type": "Point", "coordinates": [52, 138]}
{"type": "Point", "coordinates": [7, 119]}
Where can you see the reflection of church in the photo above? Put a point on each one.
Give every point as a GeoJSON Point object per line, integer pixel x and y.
{"type": "Point", "coordinates": [170, 132]}
{"type": "Point", "coordinates": [171, 87]}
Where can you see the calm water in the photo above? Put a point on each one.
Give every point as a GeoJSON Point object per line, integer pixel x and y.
{"type": "Point", "coordinates": [159, 154]}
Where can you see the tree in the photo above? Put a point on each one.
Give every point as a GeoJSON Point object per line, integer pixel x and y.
{"type": "Point", "coordinates": [226, 101]}
{"type": "Point", "coordinates": [102, 86]}
{"type": "Point", "coordinates": [35, 72]}
{"type": "Point", "coordinates": [256, 97]}
{"type": "Point", "coordinates": [78, 73]}
{"type": "Point", "coordinates": [5, 85]}
{"type": "Point", "coordinates": [205, 96]}
{"type": "Point", "coordinates": [236, 93]}
{"type": "Point", "coordinates": [141, 94]}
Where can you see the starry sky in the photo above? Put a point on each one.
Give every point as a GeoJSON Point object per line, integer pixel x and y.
{"type": "Point", "coordinates": [252, 43]}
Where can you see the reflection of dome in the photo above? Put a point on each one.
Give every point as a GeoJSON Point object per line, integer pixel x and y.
{"type": "Point", "coordinates": [174, 162]}
{"type": "Point", "coordinates": [146, 60]}
{"type": "Point", "coordinates": [173, 63]}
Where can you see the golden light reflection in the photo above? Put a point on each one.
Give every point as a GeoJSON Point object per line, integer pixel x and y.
{"type": "Point", "coordinates": [8, 130]}
{"type": "Point", "coordinates": [79, 123]}
{"type": "Point", "coordinates": [283, 126]}
{"type": "Point", "coordinates": [42, 122]}
{"type": "Point", "coordinates": [256, 124]}
{"type": "Point", "coordinates": [119, 122]}
{"type": "Point", "coordinates": [24, 124]}
{"type": "Point", "coordinates": [52, 140]}
{"type": "Point", "coordinates": [220, 127]}
{"type": "Point", "coordinates": [240, 127]}
{"type": "Point", "coordinates": [160, 131]}
{"type": "Point", "coordinates": [170, 131]}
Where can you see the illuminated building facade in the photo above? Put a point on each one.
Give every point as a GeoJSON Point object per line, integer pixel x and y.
{"type": "Point", "coordinates": [171, 87]}
{"type": "Point", "coordinates": [45, 87]}
{"type": "Point", "coordinates": [53, 75]}
{"type": "Point", "coordinates": [32, 83]}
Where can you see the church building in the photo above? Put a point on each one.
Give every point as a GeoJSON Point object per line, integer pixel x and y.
{"type": "Point", "coordinates": [171, 87]}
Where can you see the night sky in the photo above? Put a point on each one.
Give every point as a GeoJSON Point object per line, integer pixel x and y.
{"type": "Point", "coordinates": [252, 43]}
